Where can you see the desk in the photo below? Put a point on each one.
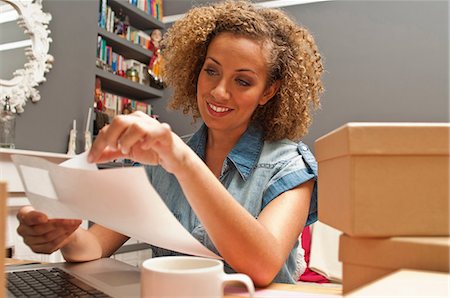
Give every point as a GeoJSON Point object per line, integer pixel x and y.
{"type": "Point", "coordinates": [303, 289]}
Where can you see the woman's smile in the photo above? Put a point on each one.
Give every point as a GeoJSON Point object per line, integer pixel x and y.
{"type": "Point", "coordinates": [218, 111]}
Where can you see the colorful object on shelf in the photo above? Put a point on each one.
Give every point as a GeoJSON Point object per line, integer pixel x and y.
{"type": "Point", "coordinates": [133, 74]}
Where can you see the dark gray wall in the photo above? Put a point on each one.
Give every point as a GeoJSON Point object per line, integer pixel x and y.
{"type": "Point", "coordinates": [384, 60]}
{"type": "Point", "coordinates": [68, 91]}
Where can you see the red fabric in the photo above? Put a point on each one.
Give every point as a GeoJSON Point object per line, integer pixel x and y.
{"type": "Point", "coordinates": [309, 275]}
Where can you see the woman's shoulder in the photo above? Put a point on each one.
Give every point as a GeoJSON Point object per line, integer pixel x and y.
{"type": "Point", "coordinates": [284, 149]}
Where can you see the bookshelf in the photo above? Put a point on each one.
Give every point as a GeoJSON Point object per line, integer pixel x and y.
{"type": "Point", "coordinates": [125, 47]}
{"type": "Point", "coordinates": [116, 84]}
{"type": "Point", "coordinates": [124, 87]}
{"type": "Point", "coordinates": [138, 18]}
{"type": "Point", "coordinates": [133, 251]}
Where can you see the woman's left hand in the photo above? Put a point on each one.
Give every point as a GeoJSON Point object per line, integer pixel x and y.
{"type": "Point", "coordinates": [139, 137]}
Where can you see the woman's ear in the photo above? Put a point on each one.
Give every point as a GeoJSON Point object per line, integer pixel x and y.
{"type": "Point", "coordinates": [270, 92]}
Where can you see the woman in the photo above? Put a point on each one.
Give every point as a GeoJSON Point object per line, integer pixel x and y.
{"type": "Point", "coordinates": [243, 185]}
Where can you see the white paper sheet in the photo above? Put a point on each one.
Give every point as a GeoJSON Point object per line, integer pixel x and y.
{"type": "Point", "coordinates": [121, 199]}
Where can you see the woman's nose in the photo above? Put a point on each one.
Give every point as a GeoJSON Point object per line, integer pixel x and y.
{"type": "Point", "coordinates": [220, 91]}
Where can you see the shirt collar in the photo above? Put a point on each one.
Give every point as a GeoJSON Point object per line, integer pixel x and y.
{"type": "Point", "coordinates": [244, 154]}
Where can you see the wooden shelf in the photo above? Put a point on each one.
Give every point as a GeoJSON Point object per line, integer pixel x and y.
{"type": "Point", "coordinates": [124, 87]}
{"type": "Point", "coordinates": [125, 47]}
{"type": "Point", "coordinates": [138, 18]}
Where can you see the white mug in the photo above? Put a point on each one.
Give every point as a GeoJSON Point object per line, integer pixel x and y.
{"type": "Point", "coordinates": [179, 276]}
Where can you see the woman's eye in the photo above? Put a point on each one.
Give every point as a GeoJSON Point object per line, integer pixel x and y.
{"type": "Point", "coordinates": [242, 82]}
{"type": "Point", "coordinates": [210, 71]}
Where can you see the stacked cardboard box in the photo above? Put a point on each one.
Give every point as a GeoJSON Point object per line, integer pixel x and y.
{"type": "Point", "coordinates": [386, 187]}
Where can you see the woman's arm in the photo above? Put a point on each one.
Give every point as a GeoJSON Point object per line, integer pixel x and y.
{"type": "Point", "coordinates": [257, 247]}
{"type": "Point", "coordinates": [94, 243]}
{"type": "Point", "coordinates": [44, 235]}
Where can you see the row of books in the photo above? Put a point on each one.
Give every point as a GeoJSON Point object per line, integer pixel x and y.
{"type": "Point", "coordinates": [107, 15]}
{"type": "Point", "coordinates": [107, 18]}
{"type": "Point", "coordinates": [105, 54]}
{"type": "Point", "coordinates": [119, 24]}
{"type": "Point", "coordinates": [116, 105]}
{"type": "Point", "coordinates": [152, 7]}
{"type": "Point", "coordinates": [117, 64]}
{"type": "Point", "coordinates": [138, 37]}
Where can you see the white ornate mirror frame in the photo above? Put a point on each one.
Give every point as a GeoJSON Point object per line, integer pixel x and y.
{"type": "Point", "coordinates": [24, 82]}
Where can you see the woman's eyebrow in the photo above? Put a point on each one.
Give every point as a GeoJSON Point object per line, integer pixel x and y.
{"type": "Point", "coordinates": [238, 70]}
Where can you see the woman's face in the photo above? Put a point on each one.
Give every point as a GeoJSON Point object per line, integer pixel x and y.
{"type": "Point", "coordinates": [232, 83]}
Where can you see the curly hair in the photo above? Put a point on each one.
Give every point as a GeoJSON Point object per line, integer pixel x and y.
{"type": "Point", "coordinates": [293, 59]}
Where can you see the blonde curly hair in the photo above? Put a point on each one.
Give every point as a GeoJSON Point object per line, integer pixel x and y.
{"type": "Point", "coordinates": [293, 57]}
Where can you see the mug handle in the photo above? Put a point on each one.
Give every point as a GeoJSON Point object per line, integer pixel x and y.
{"type": "Point", "coordinates": [240, 277]}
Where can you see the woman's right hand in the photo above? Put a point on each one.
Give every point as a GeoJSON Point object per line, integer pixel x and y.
{"type": "Point", "coordinates": [44, 235]}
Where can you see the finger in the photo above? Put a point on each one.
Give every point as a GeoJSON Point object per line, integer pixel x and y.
{"type": "Point", "coordinates": [136, 131]}
{"type": "Point", "coordinates": [31, 217]}
{"type": "Point", "coordinates": [56, 234]}
{"type": "Point", "coordinates": [107, 137]}
{"type": "Point", "coordinates": [51, 246]}
{"type": "Point", "coordinates": [50, 235]}
{"type": "Point", "coordinates": [23, 212]}
{"type": "Point", "coordinates": [39, 230]}
{"type": "Point", "coordinates": [161, 135]}
{"type": "Point", "coordinates": [58, 222]}
{"type": "Point", "coordinates": [133, 136]}
{"type": "Point", "coordinates": [108, 155]}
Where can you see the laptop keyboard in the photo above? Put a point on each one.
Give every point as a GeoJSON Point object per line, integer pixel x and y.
{"type": "Point", "coordinates": [52, 282]}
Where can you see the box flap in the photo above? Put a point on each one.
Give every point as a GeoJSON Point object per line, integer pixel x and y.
{"type": "Point", "coordinates": [384, 138]}
{"type": "Point", "coordinates": [428, 253]}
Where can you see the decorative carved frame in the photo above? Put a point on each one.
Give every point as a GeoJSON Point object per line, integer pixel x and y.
{"type": "Point", "coordinates": [24, 82]}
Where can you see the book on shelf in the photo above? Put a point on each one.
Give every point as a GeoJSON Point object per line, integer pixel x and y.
{"type": "Point", "coordinates": [152, 7]}
{"type": "Point", "coordinates": [117, 105]}
{"type": "Point", "coordinates": [110, 105]}
{"type": "Point", "coordinates": [102, 14]}
{"type": "Point", "coordinates": [141, 106]}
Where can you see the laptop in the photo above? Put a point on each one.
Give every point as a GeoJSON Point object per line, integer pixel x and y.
{"type": "Point", "coordinates": [105, 277]}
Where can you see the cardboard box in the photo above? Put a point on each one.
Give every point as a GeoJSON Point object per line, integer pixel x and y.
{"type": "Point", "coordinates": [367, 259]}
{"type": "Point", "coordinates": [385, 179]}
{"type": "Point", "coordinates": [407, 283]}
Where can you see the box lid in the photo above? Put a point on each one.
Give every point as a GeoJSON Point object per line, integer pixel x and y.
{"type": "Point", "coordinates": [425, 253]}
{"type": "Point", "coordinates": [407, 283]}
{"type": "Point", "coordinates": [384, 138]}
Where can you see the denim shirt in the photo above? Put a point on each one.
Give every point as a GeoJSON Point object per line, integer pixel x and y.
{"type": "Point", "coordinates": [255, 172]}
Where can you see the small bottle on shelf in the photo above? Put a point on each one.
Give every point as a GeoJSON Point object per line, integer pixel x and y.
{"type": "Point", "coordinates": [7, 126]}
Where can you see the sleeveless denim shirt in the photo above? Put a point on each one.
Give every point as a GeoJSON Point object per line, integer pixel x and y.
{"type": "Point", "coordinates": [254, 173]}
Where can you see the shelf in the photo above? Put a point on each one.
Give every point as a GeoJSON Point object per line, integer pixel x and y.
{"type": "Point", "coordinates": [138, 18]}
{"type": "Point", "coordinates": [124, 87]}
{"type": "Point", "coordinates": [125, 47]}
